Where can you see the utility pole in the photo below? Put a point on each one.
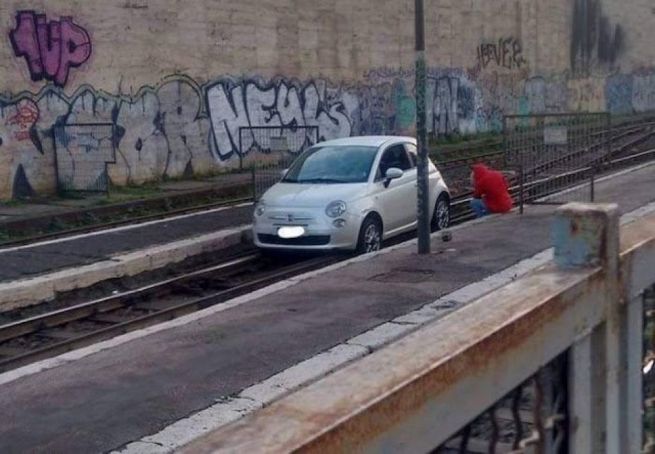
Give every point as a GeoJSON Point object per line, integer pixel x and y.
{"type": "Point", "coordinates": [423, 189]}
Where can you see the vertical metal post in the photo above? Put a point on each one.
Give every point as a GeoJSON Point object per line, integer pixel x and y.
{"type": "Point", "coordinates": [592, 183]}
{"type": "Point", "coordinates": [609, 133]}
{"type": "Point", "coordinates": [240, 149]}
{"type": "Point", "coordinates": [521, 189]}
{"type": "Point", "coordinates": [423, 189]}
{"type": "Point", "coordinates": [587, 235]}
{"type": "Point", "coordinates": [253, 176]}
{"type": "Point", "coordinates": [506, 162]}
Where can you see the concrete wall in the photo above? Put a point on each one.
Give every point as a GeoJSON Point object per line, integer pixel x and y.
{"type": "Point", "coordinates": [170, 83]}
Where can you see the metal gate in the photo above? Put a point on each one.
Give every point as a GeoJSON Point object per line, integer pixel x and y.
{"type": "Point", "coordinates": [82, 153]}
{"type": "Point", "coordinates": [557, 156]}
{"type": "Point", "coordinates": [275, 149]}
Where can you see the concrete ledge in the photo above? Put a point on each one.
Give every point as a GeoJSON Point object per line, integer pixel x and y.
{"type": "Point", "coordinates": [27, 292]}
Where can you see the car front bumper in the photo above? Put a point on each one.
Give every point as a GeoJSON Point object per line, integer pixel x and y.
{"type": "Point", "coordinates": [320, 232]}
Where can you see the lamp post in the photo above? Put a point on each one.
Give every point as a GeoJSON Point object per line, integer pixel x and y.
{"type": "Point", "coordinates": [423, 189]}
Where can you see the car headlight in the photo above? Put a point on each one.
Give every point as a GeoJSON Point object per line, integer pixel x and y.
{"type": "Point", "coordinates": [336, 209]}
{"type": "Point", "coordinates": [260, 209]}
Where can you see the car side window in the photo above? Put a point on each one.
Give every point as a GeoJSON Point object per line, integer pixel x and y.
{"type": "Point", "coordinates": [394, 156]}
{"type": "Point", "coordinates": [411, 151]}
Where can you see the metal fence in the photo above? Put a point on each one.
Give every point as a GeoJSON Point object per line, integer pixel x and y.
{"type": "Point", "coordinates": [582, 316]}
{"type": "Point", "coordinates": [273, 149]}
{"type": "Point", "coordinates": [555, 151]}
{"type": "Point", "coordinates": [83, 152]}
{"type": "Point", "coordinates": [533, 415]}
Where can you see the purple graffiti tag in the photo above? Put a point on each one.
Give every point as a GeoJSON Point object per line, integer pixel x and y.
{"type": "Point", "coordinates": [50, 49]}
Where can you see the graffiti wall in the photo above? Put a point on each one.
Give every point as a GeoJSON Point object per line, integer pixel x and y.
{"type": "Point", "coordinates": [179, 128]}
{"type": "Point", "coordinates": [130, 92]}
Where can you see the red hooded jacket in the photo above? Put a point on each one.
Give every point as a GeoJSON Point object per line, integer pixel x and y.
{"type": "Point", "coordinates": [491, 186]}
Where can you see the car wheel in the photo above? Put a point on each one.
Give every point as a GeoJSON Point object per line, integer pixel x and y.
{"type": "Point", "coordinates": [370, 236]}
{"type": "Point", "coordinates": [441, 216]}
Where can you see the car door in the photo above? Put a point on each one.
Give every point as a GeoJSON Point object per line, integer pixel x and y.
{"type": "Point", "coordinates": [412, 175]}
{"type": "Point", "coordinates": [397, 202]}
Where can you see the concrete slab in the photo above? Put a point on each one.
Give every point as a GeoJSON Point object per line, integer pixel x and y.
{"type": "Point", "coordinates": [26, 292]}
{"type": "Point", "coordinates": [188, 429]}
{"type": "Point", "coordinates": [107, 399]}
{"type": "Point", "coordinates": [381, 335]}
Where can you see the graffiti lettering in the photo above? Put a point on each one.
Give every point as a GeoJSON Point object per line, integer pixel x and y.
{"type": "Point", "coordinates": [172, 130]}
{"type": "Point", "coordinates": [450, 105]}
{"type": "Point", "coordinates": [506, 53]}
{"type": "Point", "coordinates": [26, 115]}
{"type": "Point", "coordinates": [236, 104]}
{"type": "Point", "coordinates": [49, 48]}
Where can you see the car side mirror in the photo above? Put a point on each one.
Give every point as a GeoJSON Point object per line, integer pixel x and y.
{"type": "Point", "coordinates": [392, 174]}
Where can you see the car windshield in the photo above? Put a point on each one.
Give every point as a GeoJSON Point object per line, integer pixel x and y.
{"type": "Point", "coordinates": [332, 165]}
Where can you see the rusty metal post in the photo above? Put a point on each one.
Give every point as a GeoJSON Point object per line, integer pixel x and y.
{"type": "Point", "coordinates": [587, 235]}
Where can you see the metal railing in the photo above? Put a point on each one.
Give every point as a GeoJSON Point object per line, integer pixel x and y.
{"type": "Point", "coordinates": [557, 150]}
{"type": "Point", "coordinates": [558, 354]}
{"type": "Point", "coordinates": [274, 149]}
{"type": "Point", "coordinates": [83, 152]}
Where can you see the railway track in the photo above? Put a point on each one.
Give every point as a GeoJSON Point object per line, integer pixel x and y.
{"type": "Point", "coordinates": [49, 334]}
{"type": "Point", "coordinates": [547, 186]}
{"type": "Point", "coordinates": [619, 133]}
{"type": "Point", "coordinates": [27, 340]}
{"type": "Point", "coordinates": [41, 336]}
{"type": "Point", "coordinates": [630, 145]}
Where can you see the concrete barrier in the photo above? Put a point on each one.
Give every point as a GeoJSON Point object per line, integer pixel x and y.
{"type": "Point", "coordinates": [31, 291]}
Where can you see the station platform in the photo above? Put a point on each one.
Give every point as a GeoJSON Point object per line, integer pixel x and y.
{"type": "Point", "coordinates": [155, 389]}
{"type": "Point", "coordinates": [37, 272]}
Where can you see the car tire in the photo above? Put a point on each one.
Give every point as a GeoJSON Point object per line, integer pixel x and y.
{"type": "Point", "coordinates": [370, 236]}
{"type": "Point", "coordinates": [441, 214]}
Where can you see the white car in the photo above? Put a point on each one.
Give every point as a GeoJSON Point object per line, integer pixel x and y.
{"type": "Point", "coordinates": [349, 194]}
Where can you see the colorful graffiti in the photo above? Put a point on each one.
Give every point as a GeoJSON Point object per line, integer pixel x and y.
{"type": "Point", "coordinates": [180, 128]}
{"type": "Point", "coordinates": [22, 121]}
{"type": "Point", "coordinates": [451, 105]}
{"type": "Point", "coordinates": [233, 104]}
{"type": "Point", "coordinates": [50, 49]}
{"type": "Point", "coordinates": [381, 107]}
{"type": "Point", "coordinates": [160, 132]}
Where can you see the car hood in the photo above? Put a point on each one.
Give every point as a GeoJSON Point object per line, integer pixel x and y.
{"type": "Point", "coordinates": [311, 195]}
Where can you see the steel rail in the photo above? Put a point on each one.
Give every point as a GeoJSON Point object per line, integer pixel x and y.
{"type": "Point", "coordinates": [165, 314]}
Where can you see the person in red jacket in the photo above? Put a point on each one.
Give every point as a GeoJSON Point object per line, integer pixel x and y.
{"type": "Point", "coordinates": [490, 191]}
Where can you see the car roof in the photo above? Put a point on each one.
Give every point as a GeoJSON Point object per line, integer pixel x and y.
{"type": "Point", "coordinates": [370, 141]}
